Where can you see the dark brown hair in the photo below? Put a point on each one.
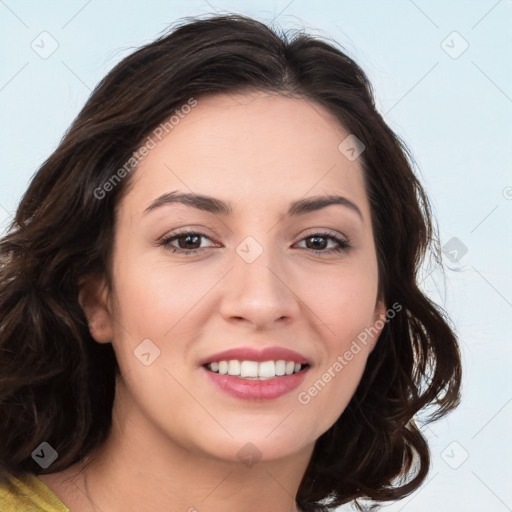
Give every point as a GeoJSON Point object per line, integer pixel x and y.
{"type": "Point", "coordinates": [57, 384]}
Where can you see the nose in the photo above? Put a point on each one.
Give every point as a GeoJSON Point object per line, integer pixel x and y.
{"type": "Point", "coordinates": [259, 294]}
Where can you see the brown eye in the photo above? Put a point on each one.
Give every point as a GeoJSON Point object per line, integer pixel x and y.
{"type": "Point", "coordinates": [318, 242]}
{"type": "Point", "coordinates": [188, 242]}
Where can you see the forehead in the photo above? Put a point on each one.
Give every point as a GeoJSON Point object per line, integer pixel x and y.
{"type": "Point", "coordinates": [250, 148]}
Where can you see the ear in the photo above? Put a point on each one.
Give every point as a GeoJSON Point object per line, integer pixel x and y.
{"type": "Point", "coordinates": [379, 321]}
{"type": "Point", "coordinates": [93, 298]}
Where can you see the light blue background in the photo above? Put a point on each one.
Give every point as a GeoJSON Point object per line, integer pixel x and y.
{"type": "Point", "coordinates": [454, 113]}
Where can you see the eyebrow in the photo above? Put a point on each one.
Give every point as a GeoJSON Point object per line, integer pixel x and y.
{"type": "Point", "coordinates": [217, 206]}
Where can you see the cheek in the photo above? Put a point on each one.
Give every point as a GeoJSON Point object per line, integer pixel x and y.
{"type": "Point", "coordinates": [157, 297]}
{"type": "Point", "coordinates": [332, 384]}
{"type": "Point", "coordinates": [343, 299]}
{"type": "Point", "coordinates": [353, 326]}
{"type": "Point", "coordinates": [345, 306]}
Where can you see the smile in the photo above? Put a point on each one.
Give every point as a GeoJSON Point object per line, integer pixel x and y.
{"type": "Point", "coordinates": [254, 370]}
{"type": "Point", "coordinates": [258, 388]}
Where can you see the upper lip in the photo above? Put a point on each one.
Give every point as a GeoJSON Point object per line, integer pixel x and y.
{"type": "Point", "coordinates": [256, 354]}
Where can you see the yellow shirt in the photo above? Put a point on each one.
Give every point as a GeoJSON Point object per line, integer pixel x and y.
{"type": "Point", "coordinates": [33, 496]}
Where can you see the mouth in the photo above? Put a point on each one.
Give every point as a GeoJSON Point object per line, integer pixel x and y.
{"type": "Point", "coordinates": [256, 373]}
{"type": "Point", "coordinates": [256, 370]}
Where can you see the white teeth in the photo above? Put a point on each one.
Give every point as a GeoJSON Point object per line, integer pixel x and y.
{"type": "Point", "coordinates": [234, 367]}
{"type": "Point", "coordinates": [223, 367]}
{"type": "Point", "coordinates": [280, 367]}
{"type": "Point", "coordinates": [255, 370]}
{"type": "Point", "coordinates": [267, 369]}
{"type": "Point", "coordinates": [248, 369]}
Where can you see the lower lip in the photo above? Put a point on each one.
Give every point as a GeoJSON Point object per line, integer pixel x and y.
{"type": "Point", "coordinates": [246, 389]}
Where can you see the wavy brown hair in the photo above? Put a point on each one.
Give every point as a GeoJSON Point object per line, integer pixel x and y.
{"type": "Point", "coordinates": [57, 384]}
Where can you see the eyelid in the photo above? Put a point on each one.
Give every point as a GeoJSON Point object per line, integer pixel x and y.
{"type": "Point", "coordinates": [165, 239]}
{"type": "Point", "coordinates": [325, 231]}
{"type": "Point", "coordinates": [186, 230]}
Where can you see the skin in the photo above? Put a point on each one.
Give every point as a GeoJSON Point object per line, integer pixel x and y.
{"type": "Point", "coordinates": [175, 436]}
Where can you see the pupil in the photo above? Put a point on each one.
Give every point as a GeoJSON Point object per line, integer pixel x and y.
{"type": "Point", "coordinates": [187, 240]}
{"type": "Point", "coordinates": [315, 243]}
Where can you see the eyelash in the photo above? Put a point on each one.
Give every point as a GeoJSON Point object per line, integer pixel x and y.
{"type": "Point", "coordinates": [343, 245]}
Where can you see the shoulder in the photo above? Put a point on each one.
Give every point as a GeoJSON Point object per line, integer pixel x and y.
{"type": "Point", "coordinates": [29, 494]}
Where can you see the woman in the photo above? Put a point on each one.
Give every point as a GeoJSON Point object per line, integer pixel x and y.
{"type": "Point", "coordinates": [208, 296]}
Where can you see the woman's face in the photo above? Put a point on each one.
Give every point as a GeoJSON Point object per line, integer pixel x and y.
{"type": "Point", "coordinates": [256, 277]}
